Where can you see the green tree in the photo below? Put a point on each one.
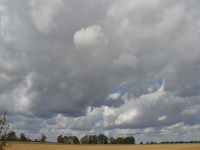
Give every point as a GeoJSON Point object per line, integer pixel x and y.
{"type": "Point", "coordinates": [65, 139]}
{"type": "Point", "coordinates": [120, 140]}
{"type": "Point", "coordinates": [3, 137]}
{"type": "Point", "coordinates": [102, 139]}
{"type": "Point", "coordinates": [112, 140]}
{"type": "Point", "coordinates": [60, 139]}
{"type": "Point", "coordinates": [43, 138]}
{"type": "Point", "coordinates": [22, 137]}
{"type": "Point", "coordinates": [70, 139]}
{"type": "Point", "coordinates": [85, 139]}
{"type": "Point", "coordinates": [93, 139]}
{"type": "Point", "coordinates": [129, 140]}
{"type": "Point", "coordinates": [75, 140]}
{"type": "Point", "coordinates": [12, 136]}
{"type": "Point", "coordinates": [4, 126]}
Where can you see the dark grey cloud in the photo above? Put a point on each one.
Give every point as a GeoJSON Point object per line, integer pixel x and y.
{"type": "Point", "coordinates": [62, 61]}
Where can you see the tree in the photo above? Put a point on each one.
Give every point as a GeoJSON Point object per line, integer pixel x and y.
{"type": "Point", "coordinates": [65, 139]}
{"type": "Point", "coordinates": [102, 139]}
{"type": "Point", "coordinates": [120, 140]}
{"type": "Point", "coordinates": [43, 138]}
{"type": "Point", "coordinates": [85, 139]}
{"type": "Point", "coordinates": [12, 136]}
{"type": "Point", "coordinates": [70, 139]}
{"type": "Point", "coordinates": [22, 137]}
{"type": "Point", "coordinates": [3, 137]}
{"type": "Point", "coordinates": [4, 126]}
{"type": "Point", "coordinates": [129, 140]}
{"type": "Point", "coordinates": [93, 139]}
{"type": "Point", "coordinates": [60, 139]}
{"type": "Point", "coordinates": [75, 140]}
{"type": "Point", "coordinates": [112, 140]}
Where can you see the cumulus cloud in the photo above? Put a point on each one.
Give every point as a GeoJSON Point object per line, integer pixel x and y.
{"type": "Point", "coordinates": [114, 95]}
{"type": "Point", "coordinates": [192, 110]}
{"type": "Point", "coordinates": [43, 14]}
{"type": "Point", "coordinates": [162, 118]}
{"type": "Point", "coordinates": [91, 36]}
{"type": "Point", "coordinates": [113, 67]}
{"type": "Point", "coordinates": [125, 62]}
{"type": "Point", "coordinates": [145, 111]}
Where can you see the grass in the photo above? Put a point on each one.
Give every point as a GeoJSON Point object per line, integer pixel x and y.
{"type": "Point", "coordinates": [54, 146]}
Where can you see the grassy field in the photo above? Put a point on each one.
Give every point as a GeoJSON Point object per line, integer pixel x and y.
{"type": "Point", "coordinates": [48, 146]}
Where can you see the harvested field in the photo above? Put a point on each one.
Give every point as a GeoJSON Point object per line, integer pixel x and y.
{"type": "Point", "coordinates": [48, 146]}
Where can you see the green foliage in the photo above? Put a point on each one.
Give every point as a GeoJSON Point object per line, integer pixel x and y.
{"type": "Point", "coordinates": [4, 126]}
{"type": "Point", "coordinates": [120, 140]}
{"type": "Point", "coordinates": [153, 142]}
{"type": "Point", "coordinates": [43, 138]}
{"type": "Point", "coordinates": [65, 139]}
{"type": "Point", "coordinates": [102, 139]}
{"type": "Point", "coordinates": [75, 140]}
{"type": "Point", "coordinates": [93, 139]}
{"type": "Point", "coordinates": [112, 140]}
{"type": "Point", "coordinates": [12, 136]}
{"type": "Point", "coordinates": [129, 140]}
{"type": "Point", "coordinates": [60, 139]}
{"type": "Point", "coordinates": [3, 137]}
{"type": "Point", "coordinates": [68, 139]}
{"type": "Point", "coordinates": [85, 139]}
{"type": "Point", "coordinates": [23, 137]}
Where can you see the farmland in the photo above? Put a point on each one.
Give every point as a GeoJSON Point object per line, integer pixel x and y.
{"type": "Point", "coordinates": [54, 146]}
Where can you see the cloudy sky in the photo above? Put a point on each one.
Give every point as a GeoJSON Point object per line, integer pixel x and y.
{"type": "Point", "coordinates": [122, 68]}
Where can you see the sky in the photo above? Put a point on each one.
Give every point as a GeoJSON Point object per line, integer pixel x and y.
{"type": "Point", "coordinates": [121, 68]}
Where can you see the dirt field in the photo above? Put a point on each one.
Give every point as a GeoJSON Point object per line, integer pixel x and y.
{"type": "Point", "coordinates": [39, 146]}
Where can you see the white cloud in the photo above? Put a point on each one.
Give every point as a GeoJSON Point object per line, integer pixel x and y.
{"type": "Point", "coordinates": [127, 117]}
{"type": "Point", "coordinates": [90, 37]}
{"type": "Point", "coordinates": [23, 100]}
{"type": "Point", "coordinates": [43, 13]}
{"type": "Point", "coordinates": [88, 122]}
{"type": "Point", "coordinates": [6, 23]}
{"type": "Point", "coordinates": [162, 118]}
{"type": "Point", "coordinates": [148, 130]}
{"type": "Point", "coordinates": [114, 95]}
{"type": "Point", "coordinates": [144, 8]}
{"type": "Point", "coordinates": [192, 110]}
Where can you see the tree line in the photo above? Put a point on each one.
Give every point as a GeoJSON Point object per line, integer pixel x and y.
{"type": "Point", "coordinates": [68, 139]}
{"type": "Point", "coordinates": [174, 142]}
{"type": "Point", "coordinates": [170, 142]}
{"type": "Point", "coordinates": [11, 136]}
{"type": "Point", "coordinates": [95, 139]}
